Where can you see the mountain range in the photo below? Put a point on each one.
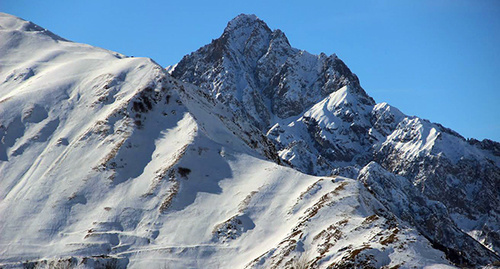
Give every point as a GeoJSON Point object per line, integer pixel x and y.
{"type": "Point", "coordinates": [248, 153]}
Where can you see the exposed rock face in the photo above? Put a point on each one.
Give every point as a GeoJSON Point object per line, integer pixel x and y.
{"type": "Point", "coordinates": [322, 122]}
{"type": "Point", "coordinates": [446, 168]}
{"type": "Point", "coordinates": [255, 70]}
{"type": "Point", "coordinates": [431, 218]}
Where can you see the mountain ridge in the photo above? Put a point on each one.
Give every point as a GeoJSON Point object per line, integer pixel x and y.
{"type": "Point", "coordinates": [153, 171]}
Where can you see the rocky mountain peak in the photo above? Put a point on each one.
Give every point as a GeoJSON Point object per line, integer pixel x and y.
{"type": "Point", "coordinates": [245, 37]}
{"type": "Point", "coordinates": [245, 21]}
{"type": "Point", "coordinates": [255, 69]}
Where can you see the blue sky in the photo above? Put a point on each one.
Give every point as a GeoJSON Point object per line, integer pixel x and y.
{"type": "Point", "coordinates": [437, 59]}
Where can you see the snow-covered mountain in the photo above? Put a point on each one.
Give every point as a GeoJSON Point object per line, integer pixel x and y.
{"type": "Point", "coordinates": [247, 154]}
{"type": "Point", "coordinates": [324, 123]}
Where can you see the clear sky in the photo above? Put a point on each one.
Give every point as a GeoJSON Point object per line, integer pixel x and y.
{"type": "Point", "coordinates": [437, 59]}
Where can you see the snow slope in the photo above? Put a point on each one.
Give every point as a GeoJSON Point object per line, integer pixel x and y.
{"type": "Point", "coordinates": [108, 161]}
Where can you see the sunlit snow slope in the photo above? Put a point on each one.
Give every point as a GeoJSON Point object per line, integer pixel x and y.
{"type": "Point", "coordinates": [107, 161]}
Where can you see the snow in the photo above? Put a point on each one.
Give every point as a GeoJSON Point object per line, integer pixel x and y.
{"type": "Point", "coordinates": [102, 154]}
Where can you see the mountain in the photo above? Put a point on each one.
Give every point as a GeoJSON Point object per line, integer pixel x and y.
{"type": "Point", "coordinates": [246, 154]}
{"type": "Point", "coordinates": [323, 123]}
